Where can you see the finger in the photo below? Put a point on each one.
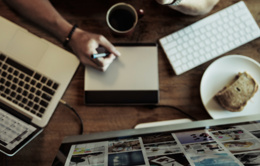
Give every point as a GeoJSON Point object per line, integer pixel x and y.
{"type": "Point", "coordinates": [110, 47]}
{"type": "Point", "coordinates": [107, 60]}
{"type": "Point", "coordinates": [94, 65]}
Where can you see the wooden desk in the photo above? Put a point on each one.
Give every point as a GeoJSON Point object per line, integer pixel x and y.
{"type": "Point", "coordinates": [181, 91]}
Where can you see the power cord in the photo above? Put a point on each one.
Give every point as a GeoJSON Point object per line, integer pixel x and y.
{"type": "Point", "coordinates": [150, 106]}
{"type": "Point", "coordinates": [70, 107]}
{"type": "Point", "coordinates": [175, 108]}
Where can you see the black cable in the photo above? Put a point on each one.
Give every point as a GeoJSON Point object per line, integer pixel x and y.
{"type": "Point", "coordinates": [81, 122]}
{"type": "Point", "coordinates": [150, 106]}
{"type": "Point", "coordinates": [175, 108]}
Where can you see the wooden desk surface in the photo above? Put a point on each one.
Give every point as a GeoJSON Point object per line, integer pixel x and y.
{"type": "Point", "coordinates": [182, 91]}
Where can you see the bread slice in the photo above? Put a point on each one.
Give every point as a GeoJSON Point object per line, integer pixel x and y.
{"type": "Point", "coordinates": [234, 97]}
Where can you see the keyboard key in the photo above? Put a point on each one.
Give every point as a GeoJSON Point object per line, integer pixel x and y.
{"type": "Point", "coordinates": [48, 90]}
{"type": "Point", "coordinates": [38, 85]}
{"type": "Point", "coordinates": [2, 57]}
{"type": "Point", "coordinates": [36, 107]}
{"type": "Point", "coordinates": [37, 76]}
{"type": "Point", "coordinates": [33, 82]}
{"type": "Point", "coordinates": [42, 110]}
{"type": "Point", "coordinates": [4, 66]}
{"type": "Point", "coordinates": [39, 115]}
{"type": "Point", "coordinates": [32, 89]}
{"type": "Point", "coordinates": [19, 66]}
{"type": "Point", "coordinates": [44, 79]}
{"type": "Point", "coordinates": [46, 97]}
{"type": "Point", "coordinates": [21, 76]}
{"type": "Point", "coordinates": [49, 82]}
{"type": "Point", "coordinates": [43, 103]}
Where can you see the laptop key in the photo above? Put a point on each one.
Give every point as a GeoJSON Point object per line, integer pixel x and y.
{"type": "Point", "coordinates": [7, 83]}
{"type": "Point", "coordinates": [15, 80]}
{"type": "Point", "coordinates": [19, 66]}
{"type": "Point", "coordinates": [46, 97]}
{"type": "Point", "coordinates": [13, 87]}
{"type": "Point", "coordinates": [49, 82]}
{"type": "Point", "coordinates": [4, 74]}
{"type": "Point", "coordinates": [4, 66]}
{"type": "Point", "coordinates": [55, 86]}
{"type": "Point", "coordinates": [33, 82]}
{"type": "Point", "coordinates": [2, 88]}
{"type": "Point", "coordinates": [42, 110]}
{"type": "Point", "coordinates": [44, 79]}
{"type": "Point", "coordinates": [16, 73]}
{"type": "Point", "coordinates": [48, 90]}
{"type": "Point", "coordinates": [36, 107]}
{"type": "Point", "coordinates": [43, 103]}
{"type": "Point", "coordinates": [39, 115]}
{"type": "Point", "coordinates": [19, 90]}
{"type": "Point", "coordinates": [2, 57]}
{"type": "Point", "coordinates": [37, 76]}
{"type": "Point", "coordinates": [18, 97]}
{"type": "Point", "coordinates": [2, 80]}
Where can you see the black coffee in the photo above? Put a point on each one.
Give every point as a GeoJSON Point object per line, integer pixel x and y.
{"type": "Point", "coordinates": [121, 19]}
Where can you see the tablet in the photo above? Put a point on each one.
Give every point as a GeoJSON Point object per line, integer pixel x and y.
{"type": "Point", "coordinates": [131, 79]}
{"type": "Point", "coordinates": [232, 141]}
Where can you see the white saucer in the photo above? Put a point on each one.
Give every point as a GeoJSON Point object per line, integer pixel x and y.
{"type": "Point", "coordinates": [219, 74]}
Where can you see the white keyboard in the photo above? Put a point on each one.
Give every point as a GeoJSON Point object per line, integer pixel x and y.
{"type": "Point", "coordinates": [210, 37]}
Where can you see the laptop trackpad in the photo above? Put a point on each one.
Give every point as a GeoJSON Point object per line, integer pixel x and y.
{"type": "Point", "coordinates": [26, 48]}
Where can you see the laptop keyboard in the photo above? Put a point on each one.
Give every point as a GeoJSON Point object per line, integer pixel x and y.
{"type": "Point", "coordinates": [24, 87]}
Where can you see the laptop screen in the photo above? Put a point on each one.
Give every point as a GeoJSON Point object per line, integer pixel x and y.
{"type": "Point", "coordinates": [16, 130]}
{"type": "Point", "coordinates": [233, 141]}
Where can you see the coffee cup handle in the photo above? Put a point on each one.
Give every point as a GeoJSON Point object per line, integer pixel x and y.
{"type": "Point", "coordinates": [140, 13]}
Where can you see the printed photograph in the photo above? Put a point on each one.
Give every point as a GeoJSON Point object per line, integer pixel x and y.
{"type": "Point", "coordinates": [89, 148]}
{"type": "Point", "coordinates": [228, 135]}
{"type": "Point", "coordinates": [256, 133]}
{"type": "Point", "coordinates": [126, 159]}
{"type": "Point", "coordinates": [193, 136]}
{"type": "Point", "coordinates": [161, 148]}
{"type": "Point", "coordinates": [123, 146]}
{"type": "Point", "coordinates": [91, 159]}
{"type": "Point", "coordinates": [155, 138]}
{"type": "Point", "coordinates": [169, 160]}
{"type": "Point", "coordinates": [203, 148]}
{"type": "Point", "coordinates": [242, 146]}
{"type": "Point", "coordinates": [251, 126]}
{"type": "Point", "coordinates": [249, 159]}
{"type": "Point", "coordinates": [218, 159]}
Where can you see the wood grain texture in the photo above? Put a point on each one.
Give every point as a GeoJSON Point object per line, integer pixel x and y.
{"type": "Point", "coordinates": [181, 91]}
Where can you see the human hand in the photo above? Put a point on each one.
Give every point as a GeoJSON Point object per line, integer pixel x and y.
{"type": "Point", "coordinates": [84, 44]}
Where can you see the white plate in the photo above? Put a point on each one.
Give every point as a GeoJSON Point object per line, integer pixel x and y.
{"type": "Point", "coordinates": [219, 74]}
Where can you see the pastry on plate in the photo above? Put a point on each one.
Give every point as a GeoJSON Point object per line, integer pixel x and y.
{"type": "Point", "coordinates": [234, 97]}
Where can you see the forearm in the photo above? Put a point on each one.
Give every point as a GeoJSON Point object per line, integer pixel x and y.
{"type": "Point", "coordinates": [44, 14]}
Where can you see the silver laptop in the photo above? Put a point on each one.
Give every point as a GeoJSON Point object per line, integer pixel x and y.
{"type": "Point", "coordinates": [34, 74]}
